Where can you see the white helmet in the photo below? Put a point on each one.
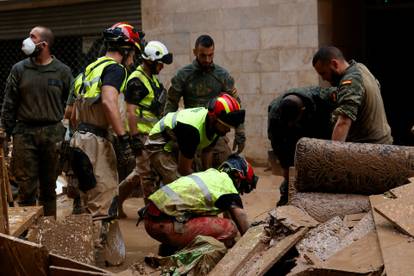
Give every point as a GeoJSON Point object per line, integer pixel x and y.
{"type": "Point", "coordinates": [156, 51]}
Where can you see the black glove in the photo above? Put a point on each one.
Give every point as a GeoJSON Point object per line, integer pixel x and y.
{"type": "Point", "coordinates": [136, 144]}
{"type": "Point", "coordinates": [123, 150]}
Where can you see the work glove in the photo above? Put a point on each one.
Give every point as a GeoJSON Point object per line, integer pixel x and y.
{"type": "Point", "coordinates": [136, 144]}
{"type": "Point", "coordinates": [123, 150]}
{"type": "Point", "coordinates": [239, 140]}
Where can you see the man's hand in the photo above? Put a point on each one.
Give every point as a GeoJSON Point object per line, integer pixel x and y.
{"type": "Point", "coordinates": [136, 144]}
{"type": "Point", "coordinates": [239, 141]}
{"type": "Point", "coordinates": [123, 150]}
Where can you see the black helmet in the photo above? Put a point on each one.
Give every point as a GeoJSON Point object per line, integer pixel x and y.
{"type": "Point", "coordinates": [241, 172]}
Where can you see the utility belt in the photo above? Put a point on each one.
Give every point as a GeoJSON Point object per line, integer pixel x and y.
{"type": "Point", "coordinates": [98, 131]}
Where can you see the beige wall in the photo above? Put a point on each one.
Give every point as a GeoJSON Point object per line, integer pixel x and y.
{"type": "Point", "coordinates": [267, 45]}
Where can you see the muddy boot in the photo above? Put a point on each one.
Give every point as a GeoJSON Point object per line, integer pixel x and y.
{"type": "Point", "coordinates": [283, 193]}
{"type": "Point", "coordinates": [49, 208]}
{"type": "Point", "coordinates": [125, 189]}
{"type": "Point", "coordinates": [77, 206]}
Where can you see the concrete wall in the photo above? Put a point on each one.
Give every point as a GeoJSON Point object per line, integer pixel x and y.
{"type": "Point", "coordinates": [267, 45]}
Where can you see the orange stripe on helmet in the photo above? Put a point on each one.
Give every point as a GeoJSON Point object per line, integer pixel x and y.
{"type": "Point", "coordinates": [224, 103]}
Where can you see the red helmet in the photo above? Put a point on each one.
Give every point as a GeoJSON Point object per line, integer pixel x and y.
{"type": "Point", "coordinates": [241, 172]}
{"type": "Point", "coordinates": [123, 34]}
{"type": "Point", "coordinates": [227, 109]}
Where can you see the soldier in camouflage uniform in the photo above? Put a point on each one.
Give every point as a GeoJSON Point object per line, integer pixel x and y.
{"type": "Point", "coordinates": [33, 108]}
{"type": "Point", "coordinates": [360, 113]}
{"type": "Point", "coordinates": [200, 82]}
{"type": "Point", "coordinates": [299, 112]}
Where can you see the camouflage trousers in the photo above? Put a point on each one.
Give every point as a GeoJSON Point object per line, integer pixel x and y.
{"type": "Point", "coordinates": [97, 174]}
{"type": "Point", "coordinates": [155, 165]}
{"type": "Point", "coordinates": [35, 164]}
{"type": "Point", "coordinates": [221, 151]}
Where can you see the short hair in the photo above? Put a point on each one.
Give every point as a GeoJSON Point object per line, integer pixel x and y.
{"type": "Point", "coordinates": [205, 41]}
{"type": "Point", "coordinates": [46, 34]}
{"type": "Point", "coordinates": [290, 108]}
{"type": "Point", "coordinates": [325, 54]}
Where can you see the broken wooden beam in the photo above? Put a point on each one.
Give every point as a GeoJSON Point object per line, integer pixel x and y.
{"type": "Point", "coordinates": [397, 249]}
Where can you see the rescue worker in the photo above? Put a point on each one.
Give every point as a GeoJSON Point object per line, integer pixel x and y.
{"type": "Point", "coordinates": [198, 83]}
{"type": "Point", "coordinates": [145, 97]}
{"type": "Point", "coordinates": [97, 119]}
{"type": "Point", "coordinates": [189, 206]}
{"type": "Point", "coordinates": [299, 112]}
{"type": "Point", "coordinates": [173, 141]}
{"type": "Point", "coordinates": [360, 113]}
{"type": "Point", "coordinates": [33, 108]}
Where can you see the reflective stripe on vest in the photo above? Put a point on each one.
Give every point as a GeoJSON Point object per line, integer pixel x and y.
{"type": "Point", "coordinates": [196, 194]}
{"type": "Point", "coordinates": [147, 119]}
{"type": "Point", "coordinates": [196, 117]}
{"type": "Point", "coordinates": [88, 84]}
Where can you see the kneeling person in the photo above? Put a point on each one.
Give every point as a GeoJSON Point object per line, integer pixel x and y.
{"type": "Point", "coordinates": [189, 206]}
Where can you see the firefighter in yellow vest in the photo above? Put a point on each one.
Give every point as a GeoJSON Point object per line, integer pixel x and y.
{"type": "Point", "coordinates": [98, 119]}
{"type": "Point", "coordinates": [145, 97]}
{"type": "Point", "coordinates": [189, 206]}
{"type": "Point", "coordinates": [174, 140]}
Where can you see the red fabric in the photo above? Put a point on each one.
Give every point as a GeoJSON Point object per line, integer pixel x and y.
{"type": "Point", "coordinates": [221, 229]}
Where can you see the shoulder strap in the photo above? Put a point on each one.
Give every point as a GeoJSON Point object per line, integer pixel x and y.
{"type": "Point", "coordinates": [82, 88]}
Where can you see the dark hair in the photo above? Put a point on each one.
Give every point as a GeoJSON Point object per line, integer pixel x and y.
{"type": "Point", "coordinates": [47, 35]}
{"type": "Point", "coordinates": [289, 109]}
{"type": "Point", "coordinates": [205, 41]}
{"type": "Point", "coordinates": [325, 54]}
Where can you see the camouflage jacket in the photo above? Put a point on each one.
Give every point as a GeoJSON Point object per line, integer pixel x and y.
{"type": "Point", "coordinates": [359, 98]}
{"type": "Point", "coordinates": [315, 122]}
{"type": "Point", "coordinates": [198, 86]}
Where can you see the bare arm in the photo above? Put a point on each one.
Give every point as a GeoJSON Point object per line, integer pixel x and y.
{"type": "Point", "coordinates": [132, 119]}
{"type": "Point", "coordinates": [110, 106]}
{"type": "Point", "coordinates": [341, 129]}
{"type": "Point", "coordinates": [240, 218]}
{"type": "Point", "coordinates": [184, 165]}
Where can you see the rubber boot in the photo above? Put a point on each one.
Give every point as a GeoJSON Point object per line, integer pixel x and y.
{"type": "Point", "coordinates": [77, 206]}
{"type": "Point", "coordinates": [283, 193]}
{"type": "Point", "coordinates": [49, 208]}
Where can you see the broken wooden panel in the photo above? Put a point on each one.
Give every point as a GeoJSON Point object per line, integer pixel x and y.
{"type": "Point", "coordinates": [65, 271]}
{"type": "Point", "coordinates": [263, 260]}
{"type": "Point", "coordinates": [362, 256]}
{"type": "Point", "coordinates": [60, 261]}
{"type": "Point", "coordinates": [249, 243]}
{"type": "Point", "coordinates": [19, 257]}
{"type": "Point", "coordinates": [399, 211]}
{"type": "Point", "coordinates": [21, 218]}
{"type": "Point", "coordinates": [4, 218]}
{"type": "Point", "coordinates": [397, 249]}
{"type": "Point", "coordinates": [351, 220]}
{"type": "Point", "coordinates": [324, 240]}
{"type": "Point", "coordinates": [71, 237]}
{"type": "Point", "coordinates": [350, 168]}
{"type": "Point", "coordinates": [293, 217]}
{"type": "Point", "coordinates": [404, 190]}
{"type": "Point", "coordinates": [323, 206]}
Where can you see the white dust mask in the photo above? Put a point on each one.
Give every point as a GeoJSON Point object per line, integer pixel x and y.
{"type": "Point", "coordinates": [28, 46]}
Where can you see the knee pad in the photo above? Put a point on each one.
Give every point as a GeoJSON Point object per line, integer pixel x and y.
{"type": "Point", "coordinates": [82, 167]}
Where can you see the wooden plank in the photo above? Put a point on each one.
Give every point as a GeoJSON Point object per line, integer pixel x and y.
{"type": "Point", "coordinates": [65, 271]}
{"type": "Point", "coordinates": [21, 218]}
{"type": "Point", "coordinates": [293, 218]}
{"type": "Point", "coordinates": [19, 257]}
{"type": "Point", "coordinates": [396, 248]}
{"type": "Point", "coordinates": [362, 256]}
{"type": "Point", "coordinates": [248, 244]}
{"type": "Point", "coordinates": [260, 263]}
{"type": "Point", "coordinates": [60, 261]}
{"type": "Point", "coordinates": [292, 184]}
{"type": "Point", "coordinates": [403, 191]}
{"type": "Point", "coordinates": [400, 212]}
{"type": "Point", "coordinates": [4, 218]}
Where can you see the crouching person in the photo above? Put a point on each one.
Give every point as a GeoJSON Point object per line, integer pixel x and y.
{"type": "Point", "coordinates": [189, 206]}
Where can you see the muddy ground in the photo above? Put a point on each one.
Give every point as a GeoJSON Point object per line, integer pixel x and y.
{"type": "Point", "coordinates": [139, 244]}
